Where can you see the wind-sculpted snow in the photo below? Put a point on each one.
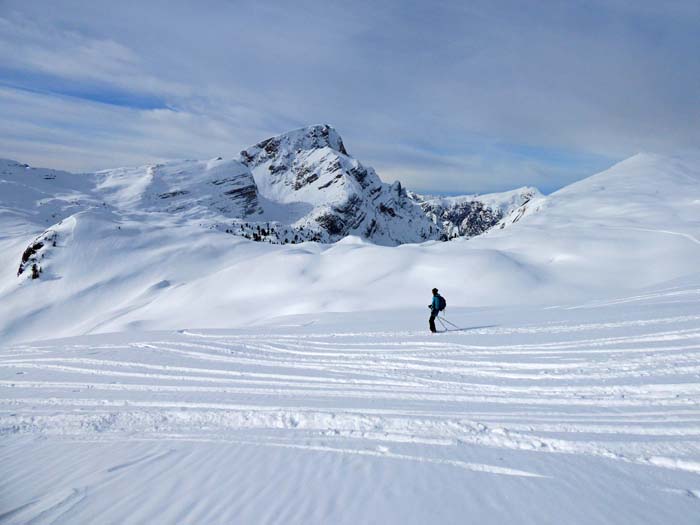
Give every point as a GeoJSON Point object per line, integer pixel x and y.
{"type": "Point", "coordinates": [39, 197]}
{"type": "Point", "coordinates": [582, 413]}
{"type": "Point", "coordinates": [187, 188]}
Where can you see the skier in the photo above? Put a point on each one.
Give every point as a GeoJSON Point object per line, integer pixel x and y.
{"type": "Point", "coordinates": [436, 306]}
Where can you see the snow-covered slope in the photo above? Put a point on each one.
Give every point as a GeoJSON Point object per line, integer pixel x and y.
{"type": "Point", "coordinates": [566, 392]}
{"type": "Point", "coordinates": [40, 197]}
{"type": "Point", "coordinates": [311, 166]}
{"type": "Point", "coordinates": [188, 188]}
{"type": "Point", "coordinates": [634, 225]}
{"type": "Point", "coordinates": [588, 413]}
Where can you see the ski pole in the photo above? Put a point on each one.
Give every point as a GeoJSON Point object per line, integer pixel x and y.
{"type": "Point", "coordinates": [448, 322]}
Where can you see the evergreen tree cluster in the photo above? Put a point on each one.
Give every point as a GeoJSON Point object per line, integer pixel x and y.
{"type": "Point", "coordinates": [273, 233]}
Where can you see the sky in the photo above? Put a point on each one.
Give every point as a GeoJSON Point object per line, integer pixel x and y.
{"type": "Point", "coordinates": [448, 97]}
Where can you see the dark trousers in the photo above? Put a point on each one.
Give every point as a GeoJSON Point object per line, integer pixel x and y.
{"type": "Point", "coordinates": [433, 315]}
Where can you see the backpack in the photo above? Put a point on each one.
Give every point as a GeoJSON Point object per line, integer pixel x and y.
{"type": "Point", "coordinates": [443, 303]}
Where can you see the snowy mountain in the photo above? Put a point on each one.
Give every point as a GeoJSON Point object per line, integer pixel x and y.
{"type": "Point", "coordinates": [580, 414]}
{"type": "Point", "coordinates": [299, 186]}
{"type": "Point", "coordinates": [192, 189]}
{"type": "Point", "coordinates": [314, 190]}
{"type": "Point", "coordinates": [106, 263]}
{"type": "Point", "coordinates": [311, 170]}
{"type": "Point", "coordinates": [40, 196]}
{"type": "Point", "coordinates": [36, 199]}
{"type": "Point", "coordinates": [471, 215]}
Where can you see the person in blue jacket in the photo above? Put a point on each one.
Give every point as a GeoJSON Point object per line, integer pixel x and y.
{"type": "Point", "coordinates": [434, 309]}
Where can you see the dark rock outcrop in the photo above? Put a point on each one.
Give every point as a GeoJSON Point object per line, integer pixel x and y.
{"type": "Point", "coordinates": [34, 254]}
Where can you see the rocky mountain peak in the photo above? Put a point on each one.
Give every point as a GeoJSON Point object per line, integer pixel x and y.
{"type": "Point", "coordinates": [308, 175]}
{"type": "Point", "coordinates": [295, 187]}
{"type": "Point", "coordinates": [294, 142]}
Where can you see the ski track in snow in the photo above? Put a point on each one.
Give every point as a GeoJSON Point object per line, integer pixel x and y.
{"type": "Point", "coordinates": [619, 389]}
{"type": "Point", "coordinates": [447, 391]}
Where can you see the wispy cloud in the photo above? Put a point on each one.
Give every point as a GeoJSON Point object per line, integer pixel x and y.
{"type": "Point", "coordinates": [448, 96]}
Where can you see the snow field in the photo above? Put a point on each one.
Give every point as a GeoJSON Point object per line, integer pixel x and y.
{"type": "Point", "coordinates": [577, 414]}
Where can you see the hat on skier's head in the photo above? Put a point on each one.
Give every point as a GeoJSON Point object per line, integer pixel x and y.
{"type": "Point", "coordinates": [435, 290]}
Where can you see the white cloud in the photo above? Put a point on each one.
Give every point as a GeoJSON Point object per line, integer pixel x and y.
{"type": "Point", "coordinates": [73, 134]}
{"type": "Point", "coordinates": [437, 92]}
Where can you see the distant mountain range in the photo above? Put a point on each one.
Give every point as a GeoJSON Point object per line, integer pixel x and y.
{"type": "Point", "coordinates": [168, 246]}
{"type": "Point", "coordinates": [299, 186]}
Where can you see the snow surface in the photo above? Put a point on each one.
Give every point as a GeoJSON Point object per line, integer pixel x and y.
{"type": "Point", "coordinates": [585, 413]}
{"type": "Point", "coordinates": [190, 188]}
{"type": "Point", "coordinates": [205, 378]}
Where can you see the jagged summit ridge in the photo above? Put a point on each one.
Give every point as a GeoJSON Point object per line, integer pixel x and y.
{"type": "Point", "coordinates": [343, 197]}
{"type": "Point", "coordinates": [298, 186]}
{"type": "Point", "coordinates": [302, 139]}
{"type": "Point", "coordinates": [305, 165]}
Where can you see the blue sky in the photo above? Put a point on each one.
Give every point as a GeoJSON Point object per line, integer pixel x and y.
{"type": "Point", "coordinates": [444, 96]}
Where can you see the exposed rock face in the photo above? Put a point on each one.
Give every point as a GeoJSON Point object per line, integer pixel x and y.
{"type": "Point", "coordinates": [463, 219]}
{"type": "Point", "coordinates": [471, 215]}
{"type": "Point", "coordinates": [343, 196]}
{"type": "Point", "coordinates": [33, 255]}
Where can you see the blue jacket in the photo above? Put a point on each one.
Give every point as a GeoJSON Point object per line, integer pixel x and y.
{"type": "Point", "coordinates": [435, 307]}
